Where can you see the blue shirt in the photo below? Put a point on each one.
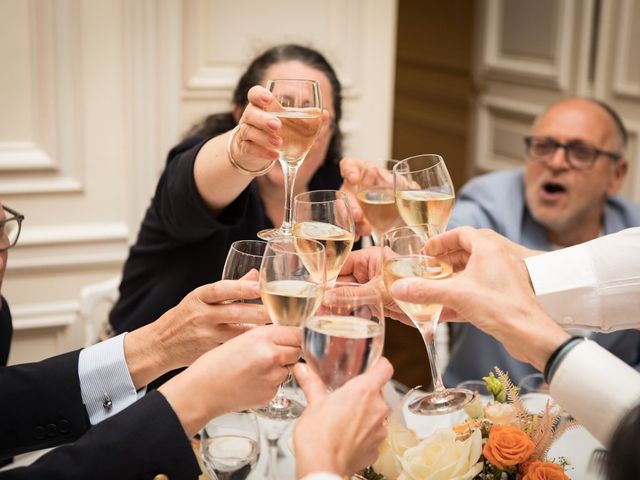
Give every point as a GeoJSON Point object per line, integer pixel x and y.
{"type": "Point", "coordinates": [497, 201]}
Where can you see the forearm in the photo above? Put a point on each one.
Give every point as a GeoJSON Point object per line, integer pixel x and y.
{"type": "Point", "coordinates": [217, 180]}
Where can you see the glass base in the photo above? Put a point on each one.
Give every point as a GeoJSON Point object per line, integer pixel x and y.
{"type": "Point", "coordinates": [289, 409]}
{"type": "Point", "coordinates": [270, 233]}
{"type": "Point", "coordinates": [441, 403]}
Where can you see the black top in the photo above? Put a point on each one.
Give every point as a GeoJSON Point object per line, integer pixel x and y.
{"type": "Point", "coordinates": [182, 245]}
{"type": "Point", "coordinates": [6, 331]}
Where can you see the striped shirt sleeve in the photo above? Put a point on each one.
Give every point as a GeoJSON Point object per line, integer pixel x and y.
{"type": "Point", "coordinates": [105, 382]}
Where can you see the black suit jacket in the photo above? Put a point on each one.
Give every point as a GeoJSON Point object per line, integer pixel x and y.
{"type": "Point", "coordinates": [6, 331]}
{"type": "Point", "coordinates": [41, 406]}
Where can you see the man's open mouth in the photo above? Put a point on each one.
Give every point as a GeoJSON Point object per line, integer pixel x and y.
{"type": "Point", "coordinates": [553, 188]}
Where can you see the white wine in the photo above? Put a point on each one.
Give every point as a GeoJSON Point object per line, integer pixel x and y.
{"type": "Point", "coordinates": [416, 266]}
{"type": "Point", "coordinates": [299, 130]}
{"type": "Point", "coordinates": [230, 457]}
{"type": "Point", "coordinates": [425, 206]}
{"type": "Point", "coordinates": [338, 348]}
{"type": "Point", "coordinates": [290, 302]}
{"type": "Point", "coordinates": [379, 206]}
{"type": "Point", "coordinates": [336, 240]}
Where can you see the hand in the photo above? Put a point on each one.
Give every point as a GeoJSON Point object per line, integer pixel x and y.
{"type": "Point", "coordinates": [492, 292]}
{"type": "Point", "coordinates": [455, 245]}
{"type": "Point", "coordinates": [258, 131]}
{"type": "Point", "coordinates": [365, 265]}
{"type": "Point", "coordinates": [340, 432]}
{"type": "Point", "coordinates": [354, 171]}
{"type": "Point", "coordinates": [243, 373]}
{"type": "Point", "coordinates": [200, 322]}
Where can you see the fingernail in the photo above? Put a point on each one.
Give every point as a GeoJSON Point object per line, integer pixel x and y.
{"type": "Point", "coordinates": [301, 370]}
{"type": "Point", "coordinates": [399, 289]}
{"type": "Point", "coordinates": [273, 124]}
{"type": "Point", "coordinates": [265, 97]}
{"type": "Point", "coordinates": [275, 141]}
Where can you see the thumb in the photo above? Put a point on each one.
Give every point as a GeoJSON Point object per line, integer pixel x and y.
{"type": "Point", "coordinates": [252, 275]}
{"type": "Point", "coordinates": [421, 291]}
{"type": "Point", "coordinates": [311, 384]}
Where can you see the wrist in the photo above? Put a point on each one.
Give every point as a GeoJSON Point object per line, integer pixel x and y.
{"type": "Point", "coordinates": [314, 459]}
{"type": "Point", "coordinates": [556, 357]}
{"type": "Point", "coordinates": [194, 409]}
{"type": "Point", "coordinates": [251, 172]}
{"type": "Point", "coordinates": [143, 357]}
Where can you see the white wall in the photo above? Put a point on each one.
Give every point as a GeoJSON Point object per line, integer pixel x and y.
{"type": "Point", "coordinates": [93, 94]}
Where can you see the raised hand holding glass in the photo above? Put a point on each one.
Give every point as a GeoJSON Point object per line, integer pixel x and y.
{"type": "Point", "coordinates": [403, 258]}
{"type": "Point", "coordinates": [298, 105]}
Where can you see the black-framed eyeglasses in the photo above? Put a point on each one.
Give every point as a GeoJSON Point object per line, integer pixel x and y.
{"type": "Point", "coordinates": [10, 228]}
{"type": "Point", "coordinates": [578, 154]}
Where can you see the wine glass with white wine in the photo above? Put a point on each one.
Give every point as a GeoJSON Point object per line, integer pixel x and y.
{"type": "Point", "coordinates": [325, 216]}
{"type": "Point", "coordinates": [423, 190]}
{"type": "Point", "coordinates": [346, 334]}
{"type": "Point", "coordinates": [292, 281]}
{"type": "Point", "coordinates": [230, 446]}
{"type": "Point", "coordinates": [298, 105]}
{"type": "Point", "coordinates": [402, 257]}
{"type": "Point", "coordinates": [377, 200]}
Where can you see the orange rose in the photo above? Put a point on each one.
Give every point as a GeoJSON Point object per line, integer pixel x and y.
{"type": "Point", "coordinates": [545, 471]}
{"type": "Point", "coordinates": [507, 446]}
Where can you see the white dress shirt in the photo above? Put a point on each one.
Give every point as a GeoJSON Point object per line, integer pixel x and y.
{"type": "Point", "coordinates": [322, 476]}
{"type": "Point", "coordinates": [105, 383]}
{"type": "Point", "coordinates": [596, 388]}
{"type": "Point", "coordinates": [593, 285]}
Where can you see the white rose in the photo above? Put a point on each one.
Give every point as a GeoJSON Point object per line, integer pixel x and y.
{"type": "Point", "coordinates": [441, 457]}
{"type": "Point", "coordinates": [501, 414]}
{"type": "Point", "coordinates": [399, 438]}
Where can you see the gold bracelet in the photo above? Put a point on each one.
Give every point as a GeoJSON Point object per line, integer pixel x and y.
{"type": "Point", "coordinates": [240, 168]}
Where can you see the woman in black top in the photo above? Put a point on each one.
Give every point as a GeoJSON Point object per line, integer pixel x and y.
{"type": "Point", "coordinates": [202, 203]}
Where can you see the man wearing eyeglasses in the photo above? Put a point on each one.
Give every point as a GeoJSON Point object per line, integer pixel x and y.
{"type": "Point", "coordinates": [10, 222]}
{"type": "Point", "coordinates": [566, 194]}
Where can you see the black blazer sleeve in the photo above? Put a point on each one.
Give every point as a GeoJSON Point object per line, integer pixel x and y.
{"type": "Point", "coordinates": [140, 442]}
{"type": "Point", "coordinates": [41, 405]}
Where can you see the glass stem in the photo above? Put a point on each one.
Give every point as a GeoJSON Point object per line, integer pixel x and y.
{"type": "Point", "coordinates": [429, 337]}
{"type": "Point", "coordinates": [272, 462]}
{"type": "Point", "coordinates": [290, 172]}
{"type": "Point", "coordinates": [280, 400]}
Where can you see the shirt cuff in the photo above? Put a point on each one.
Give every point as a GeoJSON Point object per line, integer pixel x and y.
{"type": "Point", "coordinates": [565, 283]}
{"type": "Point", "coordinates": [105, 382]}
{"type": "Point", "coordinates": [321, 476]}
{"type": "Point", "coordinates": [596, 388]}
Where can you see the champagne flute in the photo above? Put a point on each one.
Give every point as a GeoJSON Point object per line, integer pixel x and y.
{"type": "Point", "coordinates": [325, 216]}
{"type": "Point", "coordinates": [298, 105]}
{"type": "Point", "coordinates": [242, 257]}
{"type": "Point", "coordinates": [346, 334]}
{"type": "Point", "coordinates": [403, 258]}
{"type": "Point", "coordinates": [230, 446]}
{"type": "Point", "coordinates": [377, 200]}
{"type": "Point", "coordinates": [292, 283]}
{"type": "Point", "coordinates": [423, 190]}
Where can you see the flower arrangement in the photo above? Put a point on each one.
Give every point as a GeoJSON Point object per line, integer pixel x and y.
{"type": "Point", "coordinates": [499, 441]}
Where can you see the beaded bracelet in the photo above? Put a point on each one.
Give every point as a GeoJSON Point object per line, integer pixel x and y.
{"type": "Point", "coordinates": [240, 168]}
{"type": "Point", "coordinates": [558, 355]}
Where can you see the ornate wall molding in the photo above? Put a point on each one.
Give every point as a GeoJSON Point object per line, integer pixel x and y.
{"type": "Point", "coordinates": [553, 72]}
{"type": "Point", "coordinates": [51, 159]}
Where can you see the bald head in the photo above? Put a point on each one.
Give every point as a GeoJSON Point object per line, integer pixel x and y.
{"type": "Point", "coordinates": [610, 123]}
